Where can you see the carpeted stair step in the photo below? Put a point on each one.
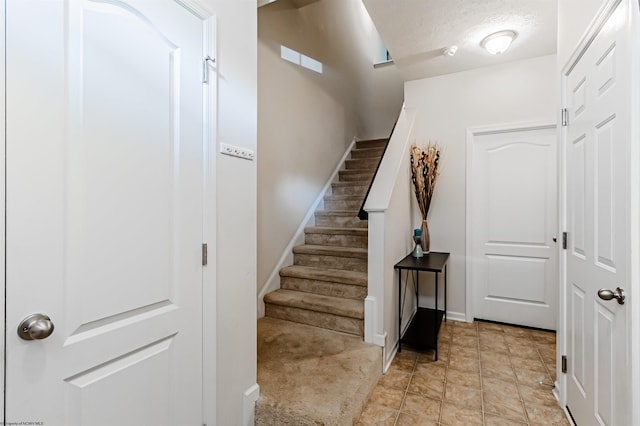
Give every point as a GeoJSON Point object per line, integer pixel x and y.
{"type": "Point", "coordinates": [341, 237]}
{"type": "Point", "coordinates": [377, 143]}
{"type": "Point", "coordinates": [311, 376]}
{"type": "Point", "coordinates": [362, 163]}
{"type": "Point", "coordinates": [350, 188]}
{"type": "Point", "coordinates": [339, 219]}
{"type": "Point", "coordinates": [343, 258]}
{"type": "Point", "coordinates": [326, 282]}
{"type": "Point", "coordinates": [342, 202]}
{"type": "Point", "coordinates": [367, 153]}
{"type": "Point", "coordinates": [355, 175]}
{"type": "Point", "coordinates": [333, 313]}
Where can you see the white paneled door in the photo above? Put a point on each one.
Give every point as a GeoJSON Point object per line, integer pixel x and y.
{"type": "Point", "coordinates": [512, 226]}
{"type": "Point", "coordinates": [597, 93]}
{"type": "Point", "coordinates": [104, 134]}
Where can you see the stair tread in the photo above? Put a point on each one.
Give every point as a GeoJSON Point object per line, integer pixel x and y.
{"type": "Point", "coordinates": [363, 159]}
{"type": "Point", "coordinates": [360, 253]}
{"type": "Point", "coordinates": [362, 184]}
{"type": "Point", "coordinates": [352, 183]}
{"type": "Point", "coordinates": [353, 212]}
{"type": "Point", "coordinates": [385, 140]}
{"type": "Point", "coordinates": [357, 171]}
{"type": "Point", "coordinates": [374, 145]}
{"type": "Point", "coordinates": [348, 197]}
{"type": "Point", "coordinates": [318, 303]}
{"type": "Point", "coordinates": [366, 163]}
{"type": "Point", "coordinates": [369, 149]}
{"type": "Point", "coordinates": [336, 231]}
{"type": "Point", "coordinates": [323, 274]}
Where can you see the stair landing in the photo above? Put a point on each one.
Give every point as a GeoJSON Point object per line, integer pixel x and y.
{"type": "Point", "coordinates": [312, 376]}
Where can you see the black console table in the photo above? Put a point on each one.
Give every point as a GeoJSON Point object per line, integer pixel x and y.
{"type": "Point", "coordinates": [423, 330]}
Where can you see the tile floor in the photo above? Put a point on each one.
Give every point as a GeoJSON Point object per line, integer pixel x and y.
{"type": "Point", "coordinates": [486, 374]}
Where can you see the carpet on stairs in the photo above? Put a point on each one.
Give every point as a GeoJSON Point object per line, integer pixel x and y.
{"type": "Point", "coordinates": [313, 366]}
{"type": "Point", "coordinates": [326, 285]}
{"type": "Point", "coordinates": [312, 376]}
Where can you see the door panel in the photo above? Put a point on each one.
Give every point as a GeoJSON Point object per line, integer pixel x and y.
{"type": "Point", "coordinates": [578, 339]}
{"type": "Point", "coordinates": [104, 211]}
{"type": "Point", "coordinates": [604, 371]}
{"type": "Point", "coordinates": [513, 206]}
{"type": "Point", "coordinates": [597, 146]}
{"type": "Point", "coordinates": [142, 372]}
{"type": "Point", "coordinates": [131, 159]}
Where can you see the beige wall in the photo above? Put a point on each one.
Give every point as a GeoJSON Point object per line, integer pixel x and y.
{"type": "Point", "coordinates": [523, 91]}
{"type": "Point", "coordinates": [307, 120]}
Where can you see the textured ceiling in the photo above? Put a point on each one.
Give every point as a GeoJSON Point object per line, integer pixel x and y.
{"type": "Point", "coordinates": [417, 31]}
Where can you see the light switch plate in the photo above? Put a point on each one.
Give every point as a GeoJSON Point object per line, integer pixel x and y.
{"type": "Point", "coordinates": [236, 151]}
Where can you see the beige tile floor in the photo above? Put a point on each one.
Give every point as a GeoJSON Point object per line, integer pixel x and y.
{"type": "Point", "coordinates": [486, 374]}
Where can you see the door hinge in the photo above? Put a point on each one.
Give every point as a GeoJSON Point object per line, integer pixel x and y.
{"type": "Point", "coordinates": [205, 68]}
{"type": "Point", "coordinates": [204, 254]}
{"type": "Point", "coordinates": [564, 364]}
{"type": "Point", "coordinates": [565, 117]}
{"type": "Point", "coordinates": [564, 240]}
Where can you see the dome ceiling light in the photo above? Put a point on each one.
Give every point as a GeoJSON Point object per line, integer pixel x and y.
{"type": "Point", "coordinates": [499, 42]}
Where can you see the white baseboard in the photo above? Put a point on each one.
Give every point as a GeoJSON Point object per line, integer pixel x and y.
{"type": "Point", "coordinates": [273, 282]}
{"type": "Point", "coordinates": [457, 316]}
{"type": "Point", "coordinates": [249, 399]}
{"type": "Point", "coordinates": [389, 358]}
{"type": "Point", "coordinates": [371, 323]}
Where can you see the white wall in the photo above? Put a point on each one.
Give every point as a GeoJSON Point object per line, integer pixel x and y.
{"type": "Point", "coordinates": [307, 120]}
{"type": "Point", "coordinates": [574, 17]}
{"type": "Point", "coordinates": [236, 211]}
{"type": "Point", "coordinates": [447, 105]}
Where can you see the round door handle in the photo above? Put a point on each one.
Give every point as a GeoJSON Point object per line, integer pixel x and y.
{"type": "Point", "coordinates": [606, 294]}
{"type": "Point", "coordinates": [35, 327]}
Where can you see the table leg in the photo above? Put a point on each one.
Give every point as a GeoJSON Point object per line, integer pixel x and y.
{"type": "Point", "coordinates": [436, 323]}
{"type": "Point", "coordinates": [445, 293]}
{"type": "Point", "coordinates": [436, 291]}
{"type": "Point", "coordinates": [399, 310]}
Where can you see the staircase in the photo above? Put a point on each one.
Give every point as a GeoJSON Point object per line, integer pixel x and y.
{"type": "Point", "coordinates": [327, 284]}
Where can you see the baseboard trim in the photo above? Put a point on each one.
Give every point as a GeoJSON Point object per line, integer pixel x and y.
{"type": "Point", "coordinates": [273, 282]}
{"type": "Point", "coordinates": [371, 323]}
{"type": "Point", "coordinates": [249, 399]}
{"type": "Point", "coordinates": [457, 316]}
{"type": "Point", "coordinates": [389, 358]}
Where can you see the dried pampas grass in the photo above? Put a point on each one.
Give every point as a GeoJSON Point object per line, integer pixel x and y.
{"type": "Point", "coordinates": [425, 169]}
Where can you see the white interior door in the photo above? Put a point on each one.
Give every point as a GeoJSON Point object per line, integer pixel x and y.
{"type": "Point", "coordinates": [597, 145]}
{"type": "Point", "coordinates": [104, 211]}
{"type": "Point", "coordinates": [512, 219]}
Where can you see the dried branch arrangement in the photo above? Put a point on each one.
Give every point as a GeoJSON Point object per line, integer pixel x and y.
{"type": "Point", "coordinates": [425, 169]}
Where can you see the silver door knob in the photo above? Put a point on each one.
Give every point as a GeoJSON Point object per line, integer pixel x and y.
{"type": "Point", "coordinates": [35, 327]}
{"type": "Point", "coordinates": [606, 294]}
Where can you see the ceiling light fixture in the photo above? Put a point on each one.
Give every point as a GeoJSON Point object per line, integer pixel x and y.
{"type": "Point", "coordinates": [497, 43]}
{"type": "Point", "coordinates": [450, 51]}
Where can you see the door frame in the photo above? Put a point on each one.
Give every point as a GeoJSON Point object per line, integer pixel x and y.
{"type": "Point", "coordinates": [472, 134]}
{"type": "Point", "coordinates": [633, 311]}
{"type": "Point", "coordinates": [209, 272]}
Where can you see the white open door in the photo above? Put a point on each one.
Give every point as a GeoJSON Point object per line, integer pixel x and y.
{"type": "Point", "coordinates": [105, 177]}
{"type": "Point", "coordinates": [597, 143]}
{"type": "Point", "coordinates": [512, 225]}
